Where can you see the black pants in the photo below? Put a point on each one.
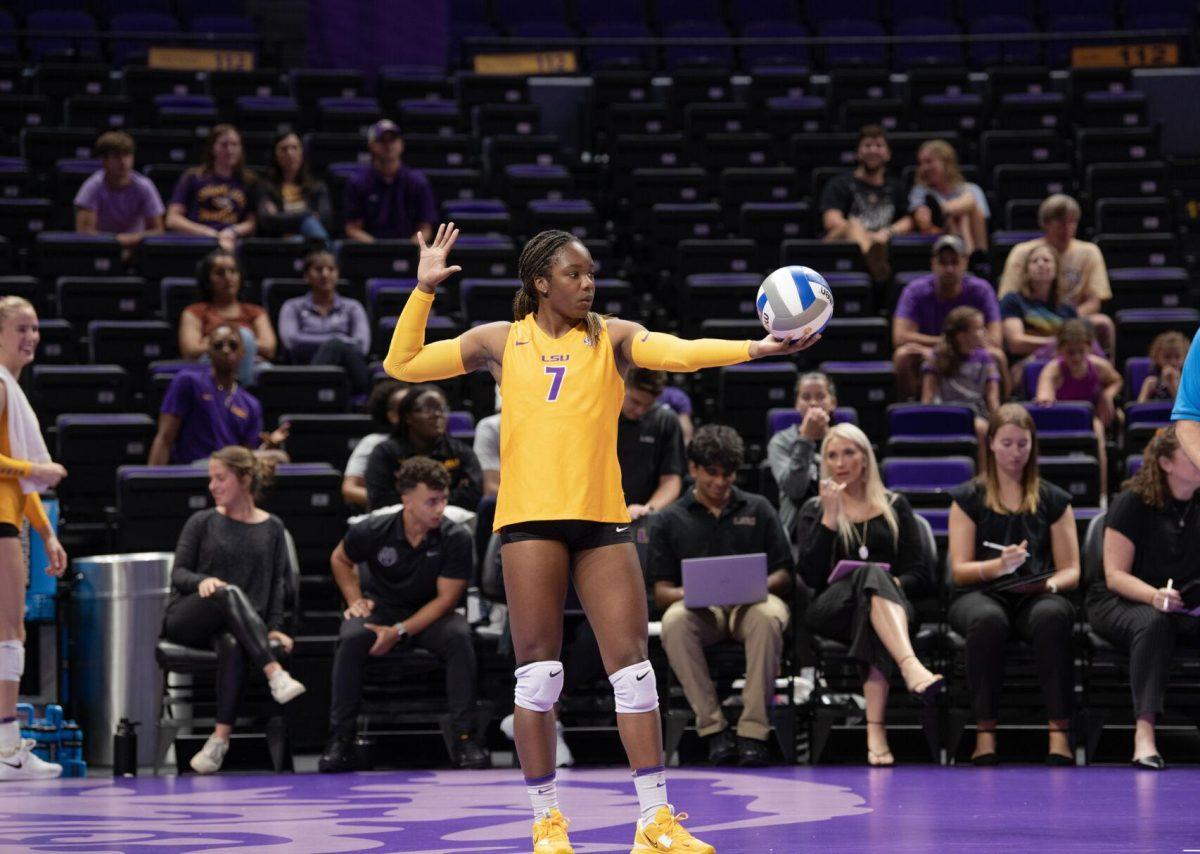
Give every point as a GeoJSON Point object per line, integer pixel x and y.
{"type": "Point", "coordinates": [449, 638]}
{"type": "Point", "coordinates": [1149, 636]}
{"type": "Point", "coordinates": [228, 622]}
{"type": "Point", "coordinates": [339, 351]}
{"type": "Point", "coordinates": [842, 612]}
{"type": "Point", "coordinates": [1045, 621]}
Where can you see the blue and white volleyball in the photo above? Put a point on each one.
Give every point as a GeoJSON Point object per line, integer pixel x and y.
{"type": "Point", "coordinates": [792, 299]}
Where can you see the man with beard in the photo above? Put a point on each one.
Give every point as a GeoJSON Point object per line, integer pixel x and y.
{"type": "Point", "coordinates": [866, 206]}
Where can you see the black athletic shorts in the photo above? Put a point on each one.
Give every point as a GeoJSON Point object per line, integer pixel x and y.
{"type": "Point", "coordinates": [577, 534]}
{"type": "Point", "coordinates": [8, 529]}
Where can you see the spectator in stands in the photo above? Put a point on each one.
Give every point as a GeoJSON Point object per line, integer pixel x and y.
{"type": "Point", "coordinates": [942, 202]}
{"type": "Point", "coordinates": [420, 564]}
{"type": "Point", "coordinates": [217, 198]}
{"type": "Point", "coordinates": [680, 403]}
{"type": "Point", "coordinates": [1079, 374]}
{"type": "Point", "coordinates": [219, 280]}
{"type": "Point", "coordinates": [649, 445]}
{"type": "Point", "coordinates": [1083, 276]}
{"type": "Point", "coordinates": [421, 423]}
{"type": "Point", "coordinates": [716, 518]}
{"type": "Point", "coordinates": [229, 590]}
{"type": "Point", "coordinates": [326, 328]}
{"type": "Point", "coordinates": [1151, 539]}
{"type": "Point", "coordinates": [205, 410]}
{"type": "Point", "coordinates": [792, 453]}
{"type": "Point", "coordinates": [1167, 352]}
{"type": "Point", "coordinates": [291, 200]}
{"type": "Point", "coordinates": [856, 518]}
{"type": "Point", "coordinates": [117, 200]}
{"type": "Point", "coordinates": [925, 303]}
{"type": "Point", "coordinates": [384, 407]}
{"type": "Point", "coordinates": [388, 200]}
{"type": "Point", "coordinates": [866, 206]}
{"type": "Point", "coordinates": [1032, 519]}
{"type": "Point", "coordinates": [962, 371]}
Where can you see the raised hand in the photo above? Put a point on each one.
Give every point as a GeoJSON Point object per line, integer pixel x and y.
{"type": "Point", "coordinates": [771, 346]}
{"type": "Point", "coordinates": [432, 269]}
{"type": "Point", "coordinates": [831, 499]}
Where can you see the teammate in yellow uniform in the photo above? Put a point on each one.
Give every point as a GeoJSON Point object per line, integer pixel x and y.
{"type": "Point", "coordinates": [19, 482]}
{"type": "Point", "coordinates": [561, 511]}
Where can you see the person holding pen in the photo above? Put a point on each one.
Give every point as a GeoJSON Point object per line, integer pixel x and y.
{"type": "Point", "coordinates": [1151, 539]}
{"type": "Point", "coordinates": [1030, 522]}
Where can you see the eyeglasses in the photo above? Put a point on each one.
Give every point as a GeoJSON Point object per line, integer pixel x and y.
{"type": "Point", "coordinates": [226, 344]}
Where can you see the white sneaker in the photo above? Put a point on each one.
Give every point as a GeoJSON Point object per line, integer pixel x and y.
{"type": "Point", "coordinates": [284, 688]}
{"type": "Point", "coordinates": [562, 754]}
{"type": "Point", "coordinates": [210, 757]}
{"type": "Point", "coordinates": [24, 764]}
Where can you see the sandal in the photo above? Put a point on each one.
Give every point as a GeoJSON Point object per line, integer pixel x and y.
{"type": "Point", "coordinates": [927, 691]}
{"type": "Point", "coordinates": [882, 758]}
{"type": "Point", "coordinates": [1059, 760]}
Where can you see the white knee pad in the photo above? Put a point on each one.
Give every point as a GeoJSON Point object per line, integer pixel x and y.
{"type": "Point", "coordinates": [538, 685]}
{"type": "Point", "coordinates": [12, 660]}
{"type": "Point", "coordinates": [634, 688]}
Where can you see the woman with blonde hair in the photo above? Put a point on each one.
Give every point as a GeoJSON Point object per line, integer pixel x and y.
{"type": "Point", "coordinates": [228, 591]}
{"type": "Point", "coordinates": [856, 518]}
{"type": "Point", "coordinates": [1151, 539]}
{"type": "Point", "coordinates": [1031, 522]}
{"type": "Point", "coordinates": [943, 202]}
{"type": "Point", "coordinates": [25, 470]}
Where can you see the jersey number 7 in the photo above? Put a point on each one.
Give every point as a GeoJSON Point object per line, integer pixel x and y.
{"type": "Point", "coordinates": [557, 372]}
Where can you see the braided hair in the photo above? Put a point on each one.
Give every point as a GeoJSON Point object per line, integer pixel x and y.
{"type": "Point", "coordinates": [537, 256]}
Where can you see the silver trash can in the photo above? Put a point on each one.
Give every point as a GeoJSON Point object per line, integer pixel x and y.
{"type": "Point", "coordinates": [117, 609]}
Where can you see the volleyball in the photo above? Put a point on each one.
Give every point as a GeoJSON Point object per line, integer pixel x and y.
{"type": "Point", "coordinates": [793, 298]}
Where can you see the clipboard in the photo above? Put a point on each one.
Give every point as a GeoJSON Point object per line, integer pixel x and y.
{"type": "Point", "coordinates": [845, 567]}
{"type": "Point", "coordinates": [1008, 582]}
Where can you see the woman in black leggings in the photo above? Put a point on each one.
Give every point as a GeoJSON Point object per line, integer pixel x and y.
{"type": "Point", "coordinates": [1011, 506]}
{"type": "Point", "coordinates": [1151, 542]}
{"type": "Point", "coordinates": [230, 574]}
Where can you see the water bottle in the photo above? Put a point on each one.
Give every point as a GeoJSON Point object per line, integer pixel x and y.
{"type": "Point", "coordinates": [125, 751]}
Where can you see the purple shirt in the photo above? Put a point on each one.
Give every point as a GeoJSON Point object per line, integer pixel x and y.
{"type": "Point", "coordinates": [303, 329]}
{"type": "Point", "coordinates": [118, 211]}
{"type": "Point", "coordinates": [212, 200]}
{"type": "Point", "coordinates": [677, 399]}
{"type": "Point", "coordinates": [919, 303]}
{"type": "Point", "coordinates": [211, 419]}
{"type": "Point", "coordinates": [390, 210]}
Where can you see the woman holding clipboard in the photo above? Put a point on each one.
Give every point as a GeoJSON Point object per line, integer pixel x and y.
{"type": "Point", "coordinates": [1006, 520]}
{"type": "Point", "coordinates": [1151, 540]}
{"type": "Point", "coordinates": [856, 519]}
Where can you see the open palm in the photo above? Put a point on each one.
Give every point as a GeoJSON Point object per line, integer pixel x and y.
{"type": "Point", "coordinates": [432, 269]}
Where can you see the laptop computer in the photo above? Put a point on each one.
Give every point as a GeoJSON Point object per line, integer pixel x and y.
{"type": "Point", "coordinates": [725, 580]}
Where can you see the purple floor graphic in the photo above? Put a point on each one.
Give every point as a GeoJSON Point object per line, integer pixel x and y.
{"type": "Point", "coordinates": [825, 809]}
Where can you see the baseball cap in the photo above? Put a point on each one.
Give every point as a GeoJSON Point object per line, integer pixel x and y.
{"type": "Point", "coordinates": [381, 127]}
{"type": "Point", "coordinates": [949, 241]}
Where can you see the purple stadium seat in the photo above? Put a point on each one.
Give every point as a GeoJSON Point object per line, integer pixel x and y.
{"type": "Point", "coordinates": [189, 9]}
{"type": "Point", "coordinates": [926, 481]}
{"type": "Point", "coordinates": [985, 54]}
{"type": "Point", "coordinates": [973, 10]}
{"type": "Point", "coordinates": [697, 55]}
{"type": "Point", "coordinates": [669, 12]}
{"type": "Point", "coordinates": [855, 54]}
{"type": "Point", "coordinates": [8, 38]}
{"type": "Point", "coordinates": [1133, 464]}
{"type": "Point", "coordinates": [577, 216]}
{"type": "Point", "coordinates": [64, 21]}
{"type": "Point", "coordinates": [770, 11]}
{"type": "Point", "coordinates": [930, 419]}
{"type": "Point", "coordinates": [461, 425]}
{"type": "Point", "coordinates": [510, 13]}
{"type": "Point", "coordinates": [1137, 368]}
{"type": "Point", "coordinates": [1033, 370]}
{"type": "Point", "coordinates": [947, 51]}
{"type": "Point", "coordinates": [790, 55]}
{"type": "Point", "coordinates": [1160, 14]}
{"type": "Point", "coordinates": [549, 31]}
{"type": "Point", "coordinates": [126, 50]}
{"type": "Point", "coordinates": [234, 25]}
{"type": "Point", "coordinates": [781, 418]}
{"type": "Point", "coordinates": [902, 10]}
{"type": "Point", "coordinates": [938, 519]}
{"type": "Point", "coordinates": [619, 56]}
{"type": "Point", "coordinates": [822, 11]}
{"type": "Point", "coordinates": [1058, 52]}
{"type": "Point", "coordinates": [1064, 427]}
{"type": "Point", "coordinates": [592, 12]}
{"type": "Point", "coordinates": [462, 53]}
{"type": "Point", "coordinates": [1156, 412]}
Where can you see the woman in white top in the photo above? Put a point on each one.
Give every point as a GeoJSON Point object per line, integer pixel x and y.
{"type": "Point", "coordinates": [942, 202]}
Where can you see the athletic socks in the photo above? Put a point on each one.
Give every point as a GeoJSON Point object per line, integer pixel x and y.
{"type": "Point", "coordinates": [651, 785]}
{"type": "Point", "coordinates": [543, 794]}
{"type": "Point", "coordinates": [10, 735]}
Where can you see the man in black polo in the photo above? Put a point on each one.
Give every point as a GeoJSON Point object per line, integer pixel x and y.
{"type": "Point", "coordinates": [420, 564]}
{"type": "Point", "coordinates": [716, 518]}
{"type": "Point", "coordinates": [649, 445]}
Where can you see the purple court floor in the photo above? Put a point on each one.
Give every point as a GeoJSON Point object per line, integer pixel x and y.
{"type": "Point", "coordinates": [825, 809]}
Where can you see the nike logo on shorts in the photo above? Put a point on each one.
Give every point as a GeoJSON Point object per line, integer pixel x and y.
{"type": "Point", "coordinates": [621, 530]}
{"type": "Point", "coordinates": [554, 673]}
{"type": "Point", "coordinates": [643, 676]}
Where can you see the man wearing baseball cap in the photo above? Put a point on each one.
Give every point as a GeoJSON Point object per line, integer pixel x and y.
{"type": "Point", "coordinates": [924, 303]}
{"type": "Point", "coordinates": [388, 200]}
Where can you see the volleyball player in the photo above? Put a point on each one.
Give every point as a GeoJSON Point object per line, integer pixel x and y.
{"type": "Point", "coordinates": [560, 511]}
{"type": "Point", "coordinates": [21, 477]}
